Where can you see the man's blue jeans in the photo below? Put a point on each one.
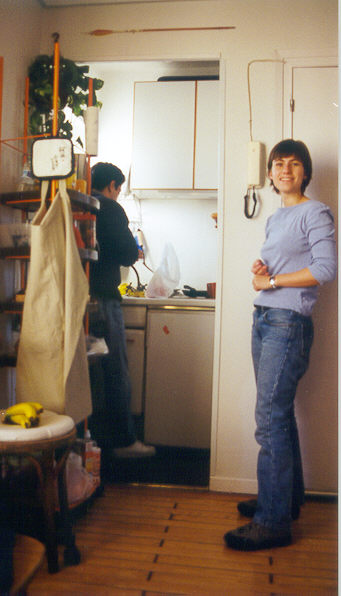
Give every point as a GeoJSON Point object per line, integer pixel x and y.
{"type": "Point", "coordinates": [281, 342]}
{"type": "Point", "coordinates": [111, 423]}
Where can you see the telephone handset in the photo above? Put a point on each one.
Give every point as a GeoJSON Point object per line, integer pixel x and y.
{"type": "Point", "coordinates": [255, 174]}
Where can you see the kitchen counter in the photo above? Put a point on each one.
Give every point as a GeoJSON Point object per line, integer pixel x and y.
{"type": "Point", "coordinates": [177, 301]}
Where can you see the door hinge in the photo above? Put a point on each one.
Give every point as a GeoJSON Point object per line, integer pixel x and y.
{"type": "Point", "coordinates": [292, 105]}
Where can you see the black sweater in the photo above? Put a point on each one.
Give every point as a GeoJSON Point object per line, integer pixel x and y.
{"type": "Point", "coordinates": [116, 247]}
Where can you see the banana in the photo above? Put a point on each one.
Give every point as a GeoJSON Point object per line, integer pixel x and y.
{"type": "Point", "coordinates": [25, 413]}
{"type": "Point", "coordinates": [37, 406]}
{"type": "Point", "coordinates": [20, 419]}
{"type": "Point", "coordinates": [22, 408]}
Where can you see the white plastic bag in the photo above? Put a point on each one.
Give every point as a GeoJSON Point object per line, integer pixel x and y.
{"type": "Point", "coordinates": [80, 484]}
{"type": "Point", "coordinates": [166, 277]}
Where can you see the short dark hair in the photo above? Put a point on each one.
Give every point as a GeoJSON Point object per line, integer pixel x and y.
{"type": "Point", "coordinates": [300, 151]}
{"type": "Point", "coordinates": [103, 173]}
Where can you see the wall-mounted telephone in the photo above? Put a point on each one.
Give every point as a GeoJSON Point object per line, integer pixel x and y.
{"type": "Point", "coordinates": [255, 164]}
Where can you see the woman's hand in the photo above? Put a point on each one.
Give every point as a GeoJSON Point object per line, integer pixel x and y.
{"type": "Point", "coordinates": [261, 282]}
{"type": "Point", "coordinates": [259, 268]}
{"type": "Point", "coordinates": [260, 276]}
{"type": "Point", "coordinates": [297, 279]}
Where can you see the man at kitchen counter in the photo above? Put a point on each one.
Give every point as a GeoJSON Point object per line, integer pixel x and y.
{"type": "Point", "coordinates": [112, 424]}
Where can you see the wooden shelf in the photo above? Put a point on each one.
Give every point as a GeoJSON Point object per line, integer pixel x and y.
{"type": "Point", "coordinates": [88, 254]}
{"type": "Point", "coordinates": [83, 202]}
{"type": "Point", "coordinates": [29, 200]}
{"type": "Point", "coordinates": [15, 252]}
{"type": "Point", "coordinates": [23, 252]}
{"type": "Point", "coordinates": [13, 307]}
{"type": "Point", "coordinates": [10, 360]}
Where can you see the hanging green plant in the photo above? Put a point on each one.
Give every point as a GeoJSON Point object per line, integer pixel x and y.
{"type": "Point", "coordinates": [73, 93]}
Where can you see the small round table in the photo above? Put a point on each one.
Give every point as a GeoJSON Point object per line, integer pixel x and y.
{"type": "Point", "coordinates": [47, 447]}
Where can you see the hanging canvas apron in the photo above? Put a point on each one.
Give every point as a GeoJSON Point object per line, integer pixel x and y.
{"type": "Point", "coordinates": [52, 365]}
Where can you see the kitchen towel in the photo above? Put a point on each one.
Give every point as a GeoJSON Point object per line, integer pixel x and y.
{"type": "Point", "coordinates": [52, 365]}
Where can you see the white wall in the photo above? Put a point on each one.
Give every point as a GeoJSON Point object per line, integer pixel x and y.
{"type": "Point", "coordinates": [263, 30]}
{"type": "Point", "coordinates": [19, 43]}
{"type": "Point", "coordinates": [20, 24]}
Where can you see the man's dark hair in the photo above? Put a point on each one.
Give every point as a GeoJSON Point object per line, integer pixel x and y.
{"type": "Point", "coordinates": [103, 173]}
{"type": "Point", "coordinates": [300, 151]}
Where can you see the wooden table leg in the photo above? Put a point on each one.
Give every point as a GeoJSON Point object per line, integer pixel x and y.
{"type": "Point", "coordinates": [49, 458]}
{"type": "Point", "coordinates": [48, 498]}
{"type": "Point", "coordinates": [71, 552]}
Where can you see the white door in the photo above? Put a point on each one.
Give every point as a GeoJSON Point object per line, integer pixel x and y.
{"type": "Point", "coordinates": [314, 120]}
{"type": "Point", "coordinates": [135, 354]}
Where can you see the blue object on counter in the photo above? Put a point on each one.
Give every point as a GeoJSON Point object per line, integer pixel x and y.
{"type": "Point", "coordinates": [139, 246]}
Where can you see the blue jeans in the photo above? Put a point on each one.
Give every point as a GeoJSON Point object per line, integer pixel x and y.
{"type": "Point", "coordinates": [111, 423]}
{"type": "Point", "coordinates": [281, 342]}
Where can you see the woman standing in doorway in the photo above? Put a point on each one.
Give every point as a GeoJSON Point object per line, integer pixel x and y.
{"type": "Point", "coordinates": [298, 255]}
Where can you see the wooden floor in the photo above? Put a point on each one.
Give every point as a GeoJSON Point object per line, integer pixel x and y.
{"type": "Point", "coordinates": [148, 541]}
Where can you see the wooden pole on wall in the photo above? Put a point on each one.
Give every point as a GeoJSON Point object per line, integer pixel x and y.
{"type": "Point", "coordinates": [88, 179]}
{"type": "Point", "coordinates": [1, 78]}
{"type": "Point", "coordinates": [27, 91]}
{"type": "Point", "coordinates": [91, 92]}
{"type": "Point", "coordinates": [55, 85]}
{"type": "Point", "coordinates": [88, 168]}
{"type": "Point", "coordinates": [55, 98]}
{"type": "Point", "coordinates": [23, 263]}
{"type": "Point", "coordinates": [88, 186]}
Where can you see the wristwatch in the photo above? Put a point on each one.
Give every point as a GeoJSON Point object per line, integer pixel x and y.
{"type": "Point", "coordinates": [272, 282]}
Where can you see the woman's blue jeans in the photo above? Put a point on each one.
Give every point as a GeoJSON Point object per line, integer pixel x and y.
{"type": "Point", "coordinates": [281, 342]}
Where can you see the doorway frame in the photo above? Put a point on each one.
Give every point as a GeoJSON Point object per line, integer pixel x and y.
{"type": "Point", "coordinates": [220, 227]}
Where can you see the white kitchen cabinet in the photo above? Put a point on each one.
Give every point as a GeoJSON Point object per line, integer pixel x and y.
{"type": "Point", "coordinates": [207, 135]}
{"type": "Point", "coordinates": [179, 377]}
{"type": "Point", "coordinates": [175, 136]}
{"type": "Point", "coordinates": [163, 135]}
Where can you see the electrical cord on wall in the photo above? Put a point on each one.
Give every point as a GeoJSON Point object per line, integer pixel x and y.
{"type": "Point", "coordinates": [247, 196]}
{"type": "Point", "coordinates": [249, 86]}
{"type": "Point", "coordinates": [144, 262]}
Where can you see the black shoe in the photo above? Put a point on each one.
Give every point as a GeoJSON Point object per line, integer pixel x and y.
{"type": "Point", "coordinates": [255, 537]}
{"type": "Point", "coordinates": [248, 509]}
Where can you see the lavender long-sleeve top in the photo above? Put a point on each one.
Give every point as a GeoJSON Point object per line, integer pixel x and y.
{"type": "Point", "coordinates": [297, 237]}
